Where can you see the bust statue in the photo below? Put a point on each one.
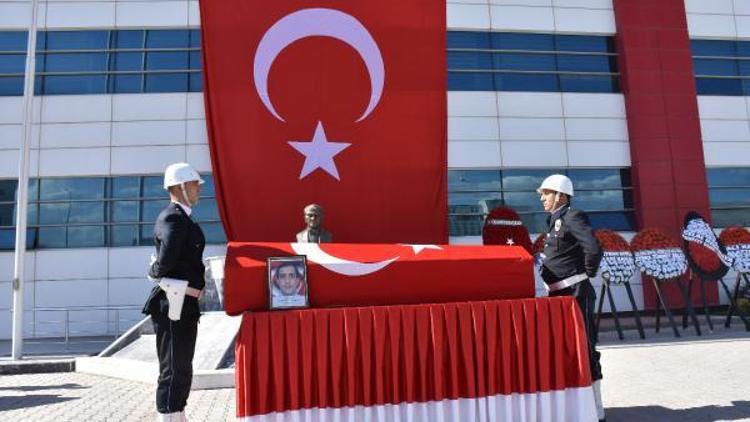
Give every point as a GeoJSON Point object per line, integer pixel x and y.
{"type": "Point", "coordinates": [314, 233]}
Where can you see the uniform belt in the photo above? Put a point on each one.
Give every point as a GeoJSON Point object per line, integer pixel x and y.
{"type": "Point", "coordinates": [196, 293]}
{"type": "Point", "coordinates": [567, 282]}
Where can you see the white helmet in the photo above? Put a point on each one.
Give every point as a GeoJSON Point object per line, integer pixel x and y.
{"type": "Point", "coordinates": [179, 173]}
{"type": "Point", "coordinates": [558, 183]}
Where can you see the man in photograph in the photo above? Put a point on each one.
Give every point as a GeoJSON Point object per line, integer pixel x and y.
{"type": "Point", "coordinates": [289, 285]}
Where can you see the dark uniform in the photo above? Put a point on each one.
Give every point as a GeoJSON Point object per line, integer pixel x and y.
{"type": "Point", "coordinates": [572, 250]}
{"type": "Point", "coordinates": [179, 249]}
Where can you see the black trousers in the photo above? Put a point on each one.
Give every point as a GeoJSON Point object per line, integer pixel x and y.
{"type": "Point", "coordinates": [175, 346]}
{"type": "Point", "coordinates": [586, 297]}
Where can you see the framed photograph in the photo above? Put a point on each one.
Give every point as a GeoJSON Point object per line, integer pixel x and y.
{"type": "Point", "coordinates": [287, 282]}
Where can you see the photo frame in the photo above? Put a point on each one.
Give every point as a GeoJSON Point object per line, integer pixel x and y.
{"type": "Point", "coordinates": [287, 289]}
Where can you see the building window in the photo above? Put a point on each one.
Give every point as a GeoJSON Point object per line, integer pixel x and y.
{"type": "Point", "coordinates": [721, 67]}
{"type": "Point", "coordinates": [729, 193]}
{"type": "Point", "coordinates": [98, 62]}
{"type": "Point", "coordinates": [97, 212]}
{"type": "Point", "coordinates": [500, 61]}
{"type": "Point", "coordinates": [605, 194]}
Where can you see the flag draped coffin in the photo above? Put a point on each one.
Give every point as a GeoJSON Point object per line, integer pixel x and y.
{"type": "Point", "coordinates": [337, 103]}
{"type": "Point", "coordinates": [357, 275]}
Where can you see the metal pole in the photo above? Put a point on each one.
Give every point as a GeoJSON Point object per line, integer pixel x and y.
{"type": "Point", "coordinates": [23, 187]}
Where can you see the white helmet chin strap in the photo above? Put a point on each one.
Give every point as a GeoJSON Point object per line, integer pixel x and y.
{"type": "Point", "coordinates": [185, 195]}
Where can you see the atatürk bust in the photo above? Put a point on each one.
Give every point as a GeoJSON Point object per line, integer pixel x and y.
{"type": "Point", "coordinates": [314, 233]}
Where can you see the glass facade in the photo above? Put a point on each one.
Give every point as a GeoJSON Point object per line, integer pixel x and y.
{"type": "Point", "coordinates": [160, 60]}
{"type": "Point", "coordinates": [729, 193]}
{"type": "Point", "coordinates": [97, 211]}
{"type": "Point", "coordinates": [104, 61]}
{"type": "Point", "coordinates": [605, 194]}
{"type": "Point", "coordinates": [505, 61]}
{"type": "Point", "coordinates": [721, 67]}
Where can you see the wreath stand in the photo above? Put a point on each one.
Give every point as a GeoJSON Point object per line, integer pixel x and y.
{"type": "Point", "coordinates": [607, 289]}
{"type": "Point", "coordinates": [733, 300]}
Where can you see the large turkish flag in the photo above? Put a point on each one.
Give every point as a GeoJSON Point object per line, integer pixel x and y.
{"type": "Point", "coordinates": [337, 103]}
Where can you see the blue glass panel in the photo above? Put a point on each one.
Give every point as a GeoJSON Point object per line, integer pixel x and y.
{"type": "Point", "coordinates": [147, 234]}
{"type": "Point", "coordinates": [153, 187]}
{"type": "Point", "coordinates": [74, 84]}
{"type": "Point", "coordinates": [129, 39]}
{"type": "Point", "coordinates": [470, 81]}
{"type": "Point", "coordinates": [599, 200]}
{"type": "Point", "coordinates": [123, 235]}
{"type": "Point", "coordinates": [473, 202]}
{"type": "Point", "coordinates": [72, 62]}
{"type": "Point", "coordinates": [473, 180]}
{"type": "Point", "coordinates": [196, 82]}
{"type": "Point", "coordinates": [726, 218]}
{"type": "Point", "coordinates": [125, 187]}
{"type": "Point", "coordinates": [85, 236]}
{"type": "Point", "coordinates": [526, 82]}
{"type": "Point", "coordinates": [728, 177]}
{"type": "Point", "coordinates": [523, 201]}
{"type": "Point", "coordinates": [195, 38]}
{"type": "Point", "coordinates": [151, 209]}
{"type": "Point", "coordinates": [589, 83]}
{"type": "Point", "coordinates": [585, 63]}
{"type": "Point", "coordinates": [13, 40]}
{"type": "Point", "coordinates": [33, 189]}
{"type": "Point", "coordinates": [465, 225]}
{"type": "Point", "coordinates": [8, 239]}
{"type": "Point", "coordinates": [128, 61]}
{"type": "Point", "coordinates": [176, 60]}
{"type": "Point", "coordinates": [12, 63]}
{"type": "Point", "coordinates": [7, 215]}
{"type": "Point", "coordinates": [73, 188]}
{"type": "Point", "coordinates": [515, 41]}
{"type": "Point", "coordinates": [8, 190]}
{"type": "Point", "coordinates": [214, 233]}
{"type": "Point", "coordinates": [509, 61]}
{"type": "Point", "coordinates": [208, 189]}
{"type": "Point", "coordinates": [469, 60]}
{"type": "Point", "coordinates": [57, 213]}
{"type": "Point", "coordinates": [51, 237]}
{"type": "Point", "coordinates": [729, 197]}
{"type": "Point", "coordinates": [596, 178]}
{"type": "Point", "coordinates": [584, 43]}
{"type": "Point", "coordinates": [124, 211]}
{"type": "Point", "coordinates": [618, 221]}
{"type": "Point", "coordinates": [167, 82]}
{"type": "Point", "coordinates": [86, 212]}
{"type": "Point", "coordinates": [713, 48]}
{"type": "Point", "coordinates": [77, 40]}
{"type": "Point", "coordinates": [465, 39]}
{"type": "Point", "coordinates": [196, 60]}
{"type": "Point", "coordinates": [172, 38]}
{"type": "Point", "coordinates": [126, 83]}
{"type": "Point", "coordinates": [32, 215]}
{"type": "Point", "coordinates": [716, 86]}
{"type": "Point", "coordinates": [535, 222]}
{"type": "Point", "coordinates": [717, 67]}
{"type": "Point", "coordinates": [519, 180]}
{"type": "Point", "coordinates": [11, 85]}
{"type": "Point", "coordinates": [206, 210]}
{"type": "Point", "coordinates": [744, 67]}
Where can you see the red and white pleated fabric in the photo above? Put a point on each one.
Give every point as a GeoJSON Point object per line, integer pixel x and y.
{"type": "Point", "coordinates": [515, 360]}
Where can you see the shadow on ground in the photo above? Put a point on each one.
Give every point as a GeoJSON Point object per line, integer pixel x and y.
{"type": "Point", "coordinates": [68, 386]}
{"type": "Point", "coordinates": [739, 410]}
{"type": "Point", "coordinates": [22, 402]}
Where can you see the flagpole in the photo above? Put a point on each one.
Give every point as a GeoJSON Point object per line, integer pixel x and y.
{"type": "Point", "coordinates": [23, 187]}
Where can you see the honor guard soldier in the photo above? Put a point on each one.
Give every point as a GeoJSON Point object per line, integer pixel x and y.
{"type": "Point", "coordinates": [178, 269]}
{"type": "Point", "coordinates": [571, 258]}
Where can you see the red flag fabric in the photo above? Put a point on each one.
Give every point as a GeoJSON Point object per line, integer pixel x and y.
{"type": "Point", "coordinates": [515, 360]}
{"type": "Point", "coordinates": [358, 275]}
{"type": "Point", "coordinates": [337, 103]}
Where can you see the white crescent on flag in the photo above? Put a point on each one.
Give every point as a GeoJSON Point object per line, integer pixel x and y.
{"type": "Point", "coordinates": [338, 265]}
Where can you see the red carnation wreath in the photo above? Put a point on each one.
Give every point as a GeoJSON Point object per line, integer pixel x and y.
{"type": "Point", "coordinates": [658, 255]}
{"type": "Point", "coordinates": [503, 226]}
{"type": "Point", "coordinates": [618, 264]}
{"type": "Point", "coordinates": [705, 252]}
{"type": "Point", "coordinates": [737, 241]}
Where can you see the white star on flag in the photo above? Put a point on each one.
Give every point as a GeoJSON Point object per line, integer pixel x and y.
{"type": "Point", "coordinates": [319, 153]}
{"type": "Point", "coordinates": [419, 248]}
{"type": "Point", "coordinates": [510, 241]}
